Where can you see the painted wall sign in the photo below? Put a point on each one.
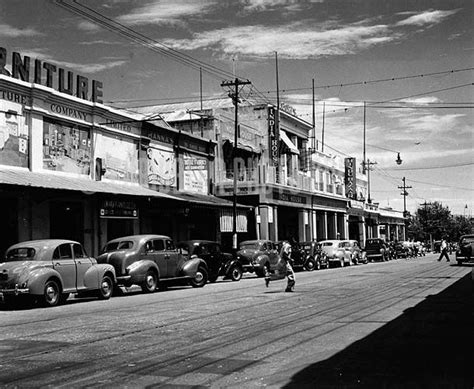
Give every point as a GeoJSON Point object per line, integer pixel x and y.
{"type": "Point", "coordinates": [195, 178]}
{"type": "Point", "coordinates": [350, 178]}
{"type": "Point", "coordinates": [66, 148]}
{"type": "Point", "coordinates": [161, 166]}
{"type": "Point", "coordinates": [119, 155]}
{"type": "Point", "coordinates": [13, 135]}
{"type": "Point", "coordinates": [288, 197]}
{"type": "Point", "coordinates": [45, 73]}
{"type": "Point", "coordinates": [68, 111]}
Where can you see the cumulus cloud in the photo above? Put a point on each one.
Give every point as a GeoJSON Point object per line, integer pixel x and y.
{"type": "Point", "coordinates": [429, 17]}
{"type": "Point", "coordinates": [166, 12]}
{"type": "Point", "coordinates": [8, 31]}
{"type": "Point", "coordinates": [291, 41]}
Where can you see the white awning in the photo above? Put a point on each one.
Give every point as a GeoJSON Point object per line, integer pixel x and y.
{"type": "Point", "coordinates": [291, 146]}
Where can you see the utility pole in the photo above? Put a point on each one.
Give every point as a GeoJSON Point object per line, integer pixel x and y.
{"type": "Point", "coordinates": [235, 98]}
{"type": "Point", "coordinates": [404, 194]}
{"type": "Point", "coordinates": [368, 166]}
{"type": "Point", "coordinates": [425, 205]}
{"type": "Point", "coordinates": [364, 162]}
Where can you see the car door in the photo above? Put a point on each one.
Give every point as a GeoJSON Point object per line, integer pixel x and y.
{"type": "Point", "coordinates": [83, 263]}
{"type": "Point", "coordinates": [64, 264]}
{"type": "Point", "coordinates": [154, 251]}
{"type": "Point", "coordinates": [172, 257]}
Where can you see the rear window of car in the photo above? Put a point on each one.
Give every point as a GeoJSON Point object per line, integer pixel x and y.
{"type": "Point", "coordinates": [121, 245]}
{"type": "Point", "coordinates": [21, 254]}
{"type": "Point", "coordinates": [249, 246]}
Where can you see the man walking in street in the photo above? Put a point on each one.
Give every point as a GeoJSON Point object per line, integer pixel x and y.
{"type": "Point", "coordinates": [285, 255]}
{"type": "Point", "coordinates": [444, 250]}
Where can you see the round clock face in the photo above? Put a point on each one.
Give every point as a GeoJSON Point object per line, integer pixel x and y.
{"type": "Point", "coordinates": [161, 167]}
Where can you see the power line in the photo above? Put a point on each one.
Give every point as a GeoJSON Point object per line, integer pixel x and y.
{"type": "Point", "coordinates": [341, 85]}
{"type": "Point", "coordinates": [434, 167]}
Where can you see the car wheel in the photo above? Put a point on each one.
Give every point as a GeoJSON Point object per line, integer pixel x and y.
{"type": "Point", "coordinates": [51, 294]}
{"type": "Point", "coordinates": [200, 278]}
{"type": "Point", "coordinates": [106, 288]}
{"type": "Point", "coordinates": [310, 264]}
{"type": "Point", "coordinates": [150, 282]}
{"type": "Point", "coordinates": [341, 262]}
{"type": "Point", "coordinates": [236, 273]}
{"type": "Point", "coordinates": [317, 265]}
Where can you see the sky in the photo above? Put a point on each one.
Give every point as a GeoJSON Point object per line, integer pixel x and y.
{"type": "Point", "coordinates": [410, 61]}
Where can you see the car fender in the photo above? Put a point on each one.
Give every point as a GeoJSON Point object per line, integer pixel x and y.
{"type": "Point", "coordinates": [137, 270]}
{"type": "Point", "coordinates": [231, 264]}
{"type": "Point", "coordinates": [95, 273]}
{"type": "Point", "coordinates": [37, 279]}
{"type": "Point", "coordinates": [261, 260]}
{"type": "Point", "coordinates": [191, 266]}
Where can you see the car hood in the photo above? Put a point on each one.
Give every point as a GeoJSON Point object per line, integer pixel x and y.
{"type": "Point", "coordinates": [247, 253]}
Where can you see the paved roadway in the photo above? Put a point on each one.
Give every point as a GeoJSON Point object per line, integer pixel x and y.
{"type": "Point", "coordinates": [403, 323]}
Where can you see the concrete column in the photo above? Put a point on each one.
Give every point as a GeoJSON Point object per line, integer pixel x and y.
{"type": "Point", "coordinates": [274, 227]}
{"type": "Point", "coordinates": [325, 224]}
{"type": "Point", "coordinates": [264, 223]}
{"type": "Point", "coordinates": [36, 143]}
{"type": "Point", "coordinates": [362, 231]}
{"type": "Point", "coordinates": [314, 232]}
{"type": "Point", "coordinates": [346, 226]}
{"type": "Point", "coordinates": [302, 223]}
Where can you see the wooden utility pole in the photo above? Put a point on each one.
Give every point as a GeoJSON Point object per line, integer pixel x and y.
{"type": "Point", "coordinates": [404, 194]}
{"type": "Point", "coordinates": [235, 98]}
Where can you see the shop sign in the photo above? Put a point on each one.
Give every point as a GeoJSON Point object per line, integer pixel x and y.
{"type": "Point", "coordinates": [274, 137]}
{"type": "Point", "coordinates": [195, 178]}
{"type": "Point", "coordinates": [350, 178]}
{"type": "Point", "coordinates": [330, 203]}
{"type": "Point", "coordinates": [161, 166]}
{"type": "Point", "coordinates": [15, 97]}
{"type": "Point", "coordinates": [288, 197]}
{"type": "Point", "coordinates": [22, 69]}
{"type": "Point", "coordinates": [118, 209]}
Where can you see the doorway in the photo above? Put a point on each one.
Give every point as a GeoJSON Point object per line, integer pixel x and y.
{"type": "Point", "coordinates": [67, 221]}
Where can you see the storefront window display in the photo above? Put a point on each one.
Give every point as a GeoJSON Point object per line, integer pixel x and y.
{"type": "Point", "coordinates": [66, 148]}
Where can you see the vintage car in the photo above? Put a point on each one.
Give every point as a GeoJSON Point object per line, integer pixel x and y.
{"type": "Point", "coordinates": [256, 255]}
{"type": "Point", "coordinates": [152, 261]}
{"type": "Point", "coordinates": [309, 256]}
{"type": "Point", "coordinates": [465, 249]}
{"type": "Point", "coordinates": [218, 262]}
{"type": "Point", "coordinates": [355, 252]}
{"type": "Point", "coordinates": [336, 252]}
{"type": "Point", "coordinates": [49, 270]}
{"type": "Point", "coordinates": [376, 249]}
{"type": "Point", "coordinates": [399, 250]}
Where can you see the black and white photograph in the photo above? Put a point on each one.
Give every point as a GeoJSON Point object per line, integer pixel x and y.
{"type": "Point", "coordinates": [237, 194]}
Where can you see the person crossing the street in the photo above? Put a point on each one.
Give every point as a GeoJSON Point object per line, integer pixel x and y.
{"type": "Point", "coordinates": [444, 251]}
{"type": "Point", "coordinates": [287, 268]}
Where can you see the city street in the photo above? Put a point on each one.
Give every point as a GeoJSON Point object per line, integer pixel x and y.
{"type": "Point", "coordinates": [403, 323]}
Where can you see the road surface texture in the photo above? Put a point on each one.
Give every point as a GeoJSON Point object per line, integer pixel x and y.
{"type": "Point", "coordinates": [398, 324]}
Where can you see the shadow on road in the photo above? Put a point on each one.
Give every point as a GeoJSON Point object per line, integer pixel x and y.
{"type": "Point", "coordinates": [429, 346]}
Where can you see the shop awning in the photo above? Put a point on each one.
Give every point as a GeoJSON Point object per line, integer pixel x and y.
{"type": "Point", "coordinates": [288, 143]}
{"type": "Point", "coordinates": [85, 185]}
{"type": "Point", "coordinates": [244, 146]}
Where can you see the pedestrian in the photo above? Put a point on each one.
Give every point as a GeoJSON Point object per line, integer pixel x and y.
{"type": "Point", "coordinates": [286, 264]}
{"type": "Point", "coordinates": [444, 250]}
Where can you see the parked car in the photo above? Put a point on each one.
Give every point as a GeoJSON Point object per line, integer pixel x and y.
{"type": "Point", "coordinates": [336, 252]}
{"type": "Point", "coordinates": [152, 261]}
{"type": "Point", "coordinates": [309, 256]}
{"type": "Point", "coordinates": [218, 262]}
{"type": "Point", "coordinates": [465, 248]}
{"type": "Point", "coordinates": [376, 249]}
{"type": "Point", "coordinates": [400, 250]}
{"type": "Point", "coordinates": [255, 255]}
{"type": "Point", "coordinates": [355, 253]}
{"type": "Point", "coordinates": [49, 270]}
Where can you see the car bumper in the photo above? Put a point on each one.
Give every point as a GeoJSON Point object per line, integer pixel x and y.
{"type": "Point", "coordinates": [123, 279]}
{"type": "Point", "coordinates": [14, 292]}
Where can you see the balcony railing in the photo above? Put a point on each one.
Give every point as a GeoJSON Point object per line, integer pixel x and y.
{"type": "Point", "coordinates": [268, 175]}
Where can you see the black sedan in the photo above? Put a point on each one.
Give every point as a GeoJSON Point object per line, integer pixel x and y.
{"type": "Point", "coordinates": [218, 262]}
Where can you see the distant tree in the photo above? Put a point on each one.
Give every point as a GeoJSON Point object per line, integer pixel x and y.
{"type": "Point", "coordinates": [435, 221]}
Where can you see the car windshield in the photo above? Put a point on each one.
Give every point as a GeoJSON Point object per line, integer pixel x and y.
{"type": "Point", "coordinates": [20, 254]}
{"type": "Point", "coordinates": [326, 244]}
{"type": "Point", "coordinates": [120, 245]}
{"type": "Point", "coordinates": [250, 246]}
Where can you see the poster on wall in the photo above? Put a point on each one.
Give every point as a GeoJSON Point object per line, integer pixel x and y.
{"type": "Point", "coordinates": [13, 136]}
{"type": "Point", "coordinates": [195, 177]}
{"type": "Point", "coordinates": [161, 166]}
{"type": "Point", "coordinates": [119, 157]}
{"type": "Point", "coordinates": [66, 148]}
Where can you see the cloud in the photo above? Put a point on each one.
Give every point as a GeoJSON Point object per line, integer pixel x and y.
{"type": "Point", "coordinates": [88, 26]}
{"type": "Point", "coordinates": [251, 6]}
{"type": "Point", "coordinates": [90, 68]}
{"type": "Point", "coordinates": [291, 41]}
{"type": "Point", "coordinates": [166, 12]}
{"type": "Point", "coordinates": [7, 31]}
{"type": "Point", "coordinates": [426, 18]}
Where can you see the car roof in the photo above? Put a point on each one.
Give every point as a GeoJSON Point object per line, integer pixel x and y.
{"type": "Point", "coordinates": [330, 240]}
{"type": "Point", "coordinates": [256, 241]}
{"type": "Point", "coordinates": [42, 243]}
{"type": "Point", "coordinates": [197, 241]}
{"type": "Point", "coordinates": [138, 238]}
